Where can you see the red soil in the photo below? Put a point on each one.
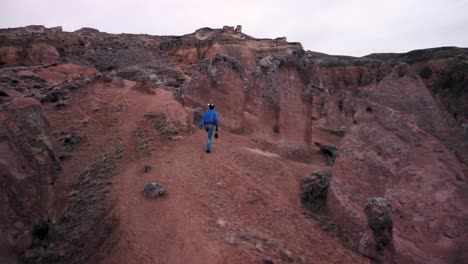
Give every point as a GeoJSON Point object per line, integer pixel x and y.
{"type": "Point", "coordinates": [236, 205]}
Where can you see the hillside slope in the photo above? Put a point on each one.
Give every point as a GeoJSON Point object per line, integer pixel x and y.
{"type": "Point", "coordinates": [83, 112]}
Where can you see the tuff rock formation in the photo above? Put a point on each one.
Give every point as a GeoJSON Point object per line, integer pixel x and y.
{"type": "Point", "coordinates": [399, 122]}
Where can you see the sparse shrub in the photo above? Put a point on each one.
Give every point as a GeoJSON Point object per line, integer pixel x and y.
{"type": "Point", "coordinates": [314, 189]}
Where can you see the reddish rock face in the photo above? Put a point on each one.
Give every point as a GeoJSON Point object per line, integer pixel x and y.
{"type": "Point", "coordinates": [387, 154]}
{"type": "Point", "coordinates": [400, 142]}
{"type": "Point", "coordinates": [404, 146]}
{"type": "Point", "coordinates": [40, 54]}
{"type": "Point", "coordinates": [37, 54]}
{"type": "Point", "coordinates": [8, 56]}
{"type": "Point", "coordinates": [399, 121]}
{"type": "Point", "coordinates": [447, 80]}
{"type": "Point", "coordinates": [30, 174]}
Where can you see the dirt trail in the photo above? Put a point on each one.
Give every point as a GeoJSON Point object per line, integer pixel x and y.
{"type": "Point", "coordinates": [238, 204]}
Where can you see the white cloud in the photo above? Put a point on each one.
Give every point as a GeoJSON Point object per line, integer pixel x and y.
{"type": "Point", "coordinates": [350, 27]}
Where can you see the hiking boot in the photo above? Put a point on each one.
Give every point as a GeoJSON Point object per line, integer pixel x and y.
{"type": "Point", "coordinates": [208, 151]}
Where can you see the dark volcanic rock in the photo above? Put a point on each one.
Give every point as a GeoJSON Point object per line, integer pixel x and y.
{"type": "Point", "coordinates": [330, 150]}
{"type": "Point", "coordinates": [379, 247]}
{"type": "Point", "coordinates": [314, 188]}
{"type": "Point", "coordinates": [154, 190]}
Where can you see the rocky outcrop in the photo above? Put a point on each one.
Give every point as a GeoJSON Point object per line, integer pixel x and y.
{"type": "Point", "coordinates": [385, 153]}
{"type": "Point", "coordinates": [30, 176]}
{"type": "Point", "coordinates": [33, 55]}
{"type": "Point", "coordinates": [330, 151]}
{"type": "Point", "coordinates": [398, 120]}
{"type": "Point", "coordinates": [379, 245]}
{"type": "Point", "coordinates": [447, 79]}
{"type": "Point", "coordinates": [314, 189]}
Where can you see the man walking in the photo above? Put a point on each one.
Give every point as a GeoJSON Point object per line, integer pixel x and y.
{"type": "Point", "coordinates": [210, 122]}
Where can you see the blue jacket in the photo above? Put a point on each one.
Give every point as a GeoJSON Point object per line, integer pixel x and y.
{"type": "Point", "coordinates": [210, 118]}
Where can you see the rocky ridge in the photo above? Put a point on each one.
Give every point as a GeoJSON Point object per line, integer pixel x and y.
{"type": "Point", "coordinates": [398, 122]}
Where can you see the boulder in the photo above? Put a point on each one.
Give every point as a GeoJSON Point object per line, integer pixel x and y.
{"type": "Point", "coordinates": [314, 188]}
{"type": "Point", "coordinates": [154, 190]}
{"type": "Point", "coordinates": [379, 245]}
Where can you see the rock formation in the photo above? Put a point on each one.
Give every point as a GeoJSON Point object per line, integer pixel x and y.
{"type": "Point", "coordinates": [398, 120]}
{"type": "Point", "coordinates": [33, 191]}
{"type": "Point", "coordinates": [379, 245]}
{"type": "Point", "coordinates": [154, 190]}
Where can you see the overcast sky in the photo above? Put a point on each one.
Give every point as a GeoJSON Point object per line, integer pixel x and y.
{"type": "Point", "coordinates": [348, 27]}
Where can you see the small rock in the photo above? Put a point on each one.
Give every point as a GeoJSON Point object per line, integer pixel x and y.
{"type": "Point", "coordinates": [154, 189]}
{"type": "Point", "coordinates": [269, 64]}
{"type": "Point", "coordinates": [147, 168]}
{"type": "Point", "coordinates": [285, 255]}
{"type": "Point", "coordinates": [301, 259]}
{"type": "Point", "coordinates": [267, 261]}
